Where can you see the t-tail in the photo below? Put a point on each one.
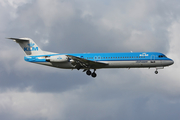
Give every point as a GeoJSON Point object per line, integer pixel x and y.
{"type": "Point", "coordinates": [29, 46]}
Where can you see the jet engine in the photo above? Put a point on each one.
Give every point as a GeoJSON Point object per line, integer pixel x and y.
{"type": "Point", "coordinates": [57, 58]}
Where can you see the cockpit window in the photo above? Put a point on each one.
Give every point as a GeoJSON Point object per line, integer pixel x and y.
{"type": "Point", "coordinates": [161, 56]}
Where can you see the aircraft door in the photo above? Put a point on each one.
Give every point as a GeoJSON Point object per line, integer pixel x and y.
{"type": "Point", "coordinates": [152, 58]}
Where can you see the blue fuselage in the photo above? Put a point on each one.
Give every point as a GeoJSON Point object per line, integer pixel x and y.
{"type": "Point", "coordinates": [113, 60]}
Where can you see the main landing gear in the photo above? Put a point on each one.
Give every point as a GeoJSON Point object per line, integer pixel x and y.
{"type": "Point", "coordinates": [88, 72]}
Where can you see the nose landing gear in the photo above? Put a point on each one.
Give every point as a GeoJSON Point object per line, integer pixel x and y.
{"type": "Point", "coordinates": [156, 72]}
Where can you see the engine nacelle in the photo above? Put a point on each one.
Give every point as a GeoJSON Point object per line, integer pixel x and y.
{"type": "Point", "coordinates": [57, 58]}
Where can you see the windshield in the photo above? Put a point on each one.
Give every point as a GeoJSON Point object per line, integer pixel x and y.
{"type": "Point", "coordinates": [161, 56]}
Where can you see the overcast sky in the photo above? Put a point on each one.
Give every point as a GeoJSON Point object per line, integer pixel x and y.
{"type": "Point", "coordinates": [34, 92]}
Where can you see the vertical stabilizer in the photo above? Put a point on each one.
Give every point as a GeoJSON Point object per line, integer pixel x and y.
{"type": "Point", "coordinates": [28, 46]}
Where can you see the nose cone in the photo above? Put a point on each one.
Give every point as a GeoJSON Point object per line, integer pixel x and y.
{"type": "Point", "coordinates": [171, 62]}
{"type": "Point", "coordinates": [167, 62]}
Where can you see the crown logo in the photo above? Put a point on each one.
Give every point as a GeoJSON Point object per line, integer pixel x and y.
{"type": "Point", "coordinates": [143, 54]}
{"type": "Point", "coordinates": [31, 44]}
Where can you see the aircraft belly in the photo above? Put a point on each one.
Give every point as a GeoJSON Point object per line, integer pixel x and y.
{"type": "Point", "coordinates": [119, 64]}
{"type": "Point", "coordinates": [65, 65]}
{"type": "Point", "coordinates": [131, 64]}
{"type": "Point", "coordinates": [111, 64]}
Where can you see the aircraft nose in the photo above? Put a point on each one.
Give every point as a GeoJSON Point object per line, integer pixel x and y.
{"type": "Point", "coordinates": [171, 62]}
{"type": "Point", "coordinates": [168, 62]}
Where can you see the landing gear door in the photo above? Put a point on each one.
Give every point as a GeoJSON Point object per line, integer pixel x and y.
{"type": "Point", "coordinates": [152, 58]}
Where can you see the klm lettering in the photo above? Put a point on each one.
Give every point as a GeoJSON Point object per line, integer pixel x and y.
{"type": "Point", "coordinates": [30, 48]}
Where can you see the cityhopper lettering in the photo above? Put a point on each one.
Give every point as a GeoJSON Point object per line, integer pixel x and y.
{"type": "Point", "coordinates": [30, 47]}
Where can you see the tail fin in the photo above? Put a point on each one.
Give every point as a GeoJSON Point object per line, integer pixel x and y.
{"type": "Point", "coordinates": [28, 46]}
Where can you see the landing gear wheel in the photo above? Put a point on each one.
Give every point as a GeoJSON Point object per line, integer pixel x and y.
{"type": "Point", "coordinates": [88, 72]}
{"type": "Point", "coordinates": [156, 72]}
{"type": "Point", "coordinates": [93, 74]}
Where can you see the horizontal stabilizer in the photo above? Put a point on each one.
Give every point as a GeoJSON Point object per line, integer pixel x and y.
{"type": "Point", "coordinates": [19, 39]}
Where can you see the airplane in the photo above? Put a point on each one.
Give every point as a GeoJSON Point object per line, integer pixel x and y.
{"type": "Point", "coordinates": [92, 61]}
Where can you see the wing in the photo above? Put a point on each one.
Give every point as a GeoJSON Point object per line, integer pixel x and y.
{"type": "Point", "coordinates": [84, 63]}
